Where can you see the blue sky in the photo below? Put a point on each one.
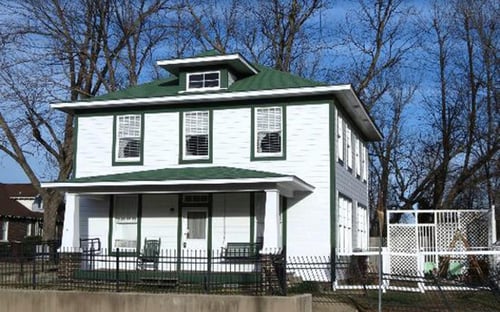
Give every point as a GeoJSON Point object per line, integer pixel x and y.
{"type": "Point", "coordinates": [11, 172]}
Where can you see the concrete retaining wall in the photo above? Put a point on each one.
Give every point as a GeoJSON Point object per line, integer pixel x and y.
{"type": "Point", "coordinates": [59, 301]}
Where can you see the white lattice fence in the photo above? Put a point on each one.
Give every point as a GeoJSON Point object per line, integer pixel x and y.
{"type": "Point", "coordinates": [418, 240]}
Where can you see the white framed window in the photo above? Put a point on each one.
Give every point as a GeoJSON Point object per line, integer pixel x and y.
{"type": "Point", "coordinates": [203, 81]}
{"type": "Point", "coordinates": [268, 132]}
{"type": "Point", "coordinates": [344, 221]}
{"type": "Point", "coordinates": [196, 132]}
{"type": "Point", "coordinates": [125, 210]}
{"type": "Point", "coordinates": [340, 138]}
{"type": "Point", "coordinates": [128, 140]}
{"type": "Point", "coordinates": [197, 224]}
{"type": "Point", "coordinates": [357, 156]}
{"type": "Point", "coordinates": [364, 162]}
{"type": "Point", "coordinates": [361, 227]}
{"type": "Point", "coordinates": [348, 146]}
{"type": "Point", "coordinates": [4, 230]}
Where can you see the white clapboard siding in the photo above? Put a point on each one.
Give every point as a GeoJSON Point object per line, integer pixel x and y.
{"type": "Point", "coordinates": [307, 157]}
{"type": "Point", "coordinates": [161, 140]}
{"type": "Point", "coordinates": [230, 219]}
{"type": "Point", "coordinates": [94, 218]}
{"type": "Point", "coordinates": [94, 145]}
{"type": "Point", "coordinates": [159, 219]}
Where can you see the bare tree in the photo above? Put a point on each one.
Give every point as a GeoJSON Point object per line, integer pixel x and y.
{"type": "Point", "coordinates": [78, 47]}
{"type": "Point", "coordinates": [462, 145]}
{"type": "Point", "coordinates": [280, 34]}
{"type": "Point", "coordinates": [380, 41]}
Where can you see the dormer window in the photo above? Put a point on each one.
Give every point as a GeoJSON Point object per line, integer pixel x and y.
{"type": "Point", "coordinates": [203, 81]}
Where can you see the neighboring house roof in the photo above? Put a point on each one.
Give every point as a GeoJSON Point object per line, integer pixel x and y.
{"type": "Point", "coordinates": [182, 177]}
{"type": "Point", "coordinates": [10, 208]}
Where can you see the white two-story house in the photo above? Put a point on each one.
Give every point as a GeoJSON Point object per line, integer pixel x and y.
{"type": "Point", "coordinates": [222, 151]}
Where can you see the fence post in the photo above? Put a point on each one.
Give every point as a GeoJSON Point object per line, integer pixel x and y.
{"type": "Point", "coordinates": [284, 286]}
{"type": "Point", "coordinates": [117, 272]}
{"type": "Point", "coordinates": [33, 276]}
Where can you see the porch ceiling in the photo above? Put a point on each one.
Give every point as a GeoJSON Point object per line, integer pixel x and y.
{"type": "Point", "coordinates": [187, 179]}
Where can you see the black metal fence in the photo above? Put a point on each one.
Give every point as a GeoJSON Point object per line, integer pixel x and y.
{"type": "Point", "coordinates": [41, 266]}
{"type": "Point", "coordinates": [190, 271]}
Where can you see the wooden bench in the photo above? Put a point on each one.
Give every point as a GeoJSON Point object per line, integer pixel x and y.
{"type": "Point", "coordinates": [240, 250]}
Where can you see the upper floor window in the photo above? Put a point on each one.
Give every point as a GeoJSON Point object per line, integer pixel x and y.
{"type": "Point", "coordinates": [357, 156]}
{"type": "Point", "coordinates": [204, 80]}
{"type": "Point", "coordinates": [196, 135]}
{"type": "Point", "coordinates": [128, 140]}
{"type": "Point", "coordinates": [364, 162]}
{"type": "Point", "coordinates": [340, 139]}
{"type": "Point", "coordinates": [348, 146]}
{"type": "Point", "coordinates": [268, 132]}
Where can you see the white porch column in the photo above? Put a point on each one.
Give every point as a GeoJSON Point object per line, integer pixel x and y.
{"type": "Point", "coordinates": [71, 229]}
{"type": "Point", "coordinates": [272, 231]}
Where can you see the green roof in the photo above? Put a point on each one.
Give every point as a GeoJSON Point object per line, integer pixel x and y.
{"type": "Point", "coordinates": [266, 79]}
{"type": "Point", "coordinates": [173, 174]}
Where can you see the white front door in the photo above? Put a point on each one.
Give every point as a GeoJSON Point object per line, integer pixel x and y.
{"type": "Point", "coordinates": [195, 228]}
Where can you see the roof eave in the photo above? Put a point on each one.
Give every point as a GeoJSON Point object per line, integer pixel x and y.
{"type": "Point", "coordinates": [236, 60]}
{"type": "Point", "coordinates": [293, 182]}
{"type": "Point", "coordinates": [344, 93]}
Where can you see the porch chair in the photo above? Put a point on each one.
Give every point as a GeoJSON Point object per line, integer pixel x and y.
{"type": "Point", "coordinates": [150, 254]}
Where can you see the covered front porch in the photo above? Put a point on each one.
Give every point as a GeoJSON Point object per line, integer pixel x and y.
{"type": "Point", "coordinates": [184, 209]}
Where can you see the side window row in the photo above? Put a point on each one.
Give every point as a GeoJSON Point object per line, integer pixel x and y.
{"type": "Point", "coordinates": [351, 150]}
{"type": "Point", "coordinates": [195, 138]}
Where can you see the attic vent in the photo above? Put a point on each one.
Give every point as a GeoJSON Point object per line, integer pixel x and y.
{"type": "Point", "coordinates": [205, 80]}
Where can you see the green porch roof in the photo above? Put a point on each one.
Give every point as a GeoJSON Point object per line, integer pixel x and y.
{"type": "Point", "coordinates": [266, 79]}
{"type": "Point", "coordinates": [188, 173]}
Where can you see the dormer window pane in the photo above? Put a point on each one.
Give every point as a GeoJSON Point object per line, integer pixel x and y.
{"type": "Point", "coordinates": [207, 80]}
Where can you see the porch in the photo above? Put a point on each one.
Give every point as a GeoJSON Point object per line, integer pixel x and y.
{"type": "Point", "coordinates": [195, 208]}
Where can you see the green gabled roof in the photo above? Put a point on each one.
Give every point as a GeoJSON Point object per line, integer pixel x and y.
{"type": "Point", "coordinates": [174, 174]}
{"type": "Point", "coordinates": [269, 78]}
{"type": "Point", "coordinates": [266, 79]}
{"type": "Point", "coordinates": [155, 88]}
{"type": "Point", "coordinates": [208, 53]}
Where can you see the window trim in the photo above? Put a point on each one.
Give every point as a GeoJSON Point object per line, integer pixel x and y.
{"type": "Point", "coordinates": [340, 138]}
{"type": "Point", "coordinates": [357, 156]}
{"type": "Point", "coordinates": [348, 147]}
{"type": "Point", "coordinates": [255, 156]}
{"type": "Point", "coordinates": [188, 75]}
{"type": "Point", "coordinates": [345, 225]}
{"type": "Point", "coordinates": [361, 241]}
{"type": "Point", "coordinates": [124, 162]}
{"type": "Point", "coordinates": [4, 234]}
{"type": "Point", "coordinates": [195, 159]}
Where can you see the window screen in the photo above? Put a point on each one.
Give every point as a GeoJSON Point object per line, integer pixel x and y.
{"type": "Point", "coordinates": [269, 130]}
{"type": "Point", "coordinates": [128, 137]}
{"type": "Point", "coordinates": [196, 224]}
{"type": "Point", "coordinates": [196, 131]}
